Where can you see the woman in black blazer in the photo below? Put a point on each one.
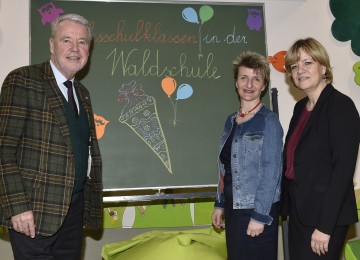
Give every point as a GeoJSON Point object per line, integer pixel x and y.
{"type": "Point", "coordinates": [320, 156]}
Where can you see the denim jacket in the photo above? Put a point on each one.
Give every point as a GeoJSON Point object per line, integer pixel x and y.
{"type": "Point", "coordinates": [256, 164]}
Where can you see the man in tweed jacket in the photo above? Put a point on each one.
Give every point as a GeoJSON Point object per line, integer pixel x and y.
{"type": "Point", "coordinates": [50, 187]}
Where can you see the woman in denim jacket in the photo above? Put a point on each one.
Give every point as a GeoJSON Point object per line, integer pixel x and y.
{"type": "Point", "coordinates": [249, 164]}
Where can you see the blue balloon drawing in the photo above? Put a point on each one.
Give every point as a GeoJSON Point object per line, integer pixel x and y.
{"type": "Point", "coordinates": [190, 15]}
{"type": "Point", "coordinates": [184, 91]}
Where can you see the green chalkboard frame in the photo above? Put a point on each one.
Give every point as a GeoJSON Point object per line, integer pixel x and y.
{"type": "Point", "coordinates": [165, 94]}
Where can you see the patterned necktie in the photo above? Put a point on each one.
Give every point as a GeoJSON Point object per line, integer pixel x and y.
{"type": "Point", "coordinates": [71, 98]}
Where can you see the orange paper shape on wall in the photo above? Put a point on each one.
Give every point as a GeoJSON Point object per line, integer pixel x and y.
{"type": "Point", "coordinates": [278, 61]}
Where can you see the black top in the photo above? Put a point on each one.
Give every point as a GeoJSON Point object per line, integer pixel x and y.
{"type": "Point", "coordinates": [225, 158]}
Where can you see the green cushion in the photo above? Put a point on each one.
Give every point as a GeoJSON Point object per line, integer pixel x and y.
{"type": "Point", "coordinates": [175, 245]}
{"type": "Point", "coordinates": [352, 250]}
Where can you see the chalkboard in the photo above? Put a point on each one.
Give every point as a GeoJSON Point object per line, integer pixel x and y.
{"type": "Point", "coordinates": [161, 83]}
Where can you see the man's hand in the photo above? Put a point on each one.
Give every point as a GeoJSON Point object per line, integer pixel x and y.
{"type": "Point", "coordinates": [24, 223]}
{"type": "Point", "coordinates": [254, 228]}
{"type": "Point", "coordinates": [320, 242]}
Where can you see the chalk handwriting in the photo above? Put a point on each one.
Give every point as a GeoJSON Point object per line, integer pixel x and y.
{"type": "Point", "coordinates": [146, 32]}
{"type": "Point", "coordinates": [211, 39]}
{"type": "Point", "coordinates": [149, 32]}
{"type": "Point", "coordinates": [129, 66]}
{"type": "Point", "coordinates": [232, 38]}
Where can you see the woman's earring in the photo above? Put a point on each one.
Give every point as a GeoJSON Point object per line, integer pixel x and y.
{"type": "Point", "coordinates": [323, 76]}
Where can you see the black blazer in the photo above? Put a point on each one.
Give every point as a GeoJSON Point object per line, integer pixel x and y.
{"type": "Point", "coordinates": [324, 162]}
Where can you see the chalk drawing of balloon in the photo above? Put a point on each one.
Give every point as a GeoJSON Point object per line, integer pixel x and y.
{"type": "Point", "coordinates": [168, 85]}
{"type": "Point", "coordinates": [190, 15]}
{"type": "Point", "coordinates": [206, 13]}
{"type": "Point", "coordinates": [184, 91]}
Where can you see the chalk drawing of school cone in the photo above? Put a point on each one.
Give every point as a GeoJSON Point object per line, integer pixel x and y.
{"type": "Point", "coordinates": [138, 111]}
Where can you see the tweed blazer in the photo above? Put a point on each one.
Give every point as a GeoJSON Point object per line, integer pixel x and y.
{"type": "Point", "coordinates": [36, 161]}
{"type": "Point", "coordinates": [324, 162]}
